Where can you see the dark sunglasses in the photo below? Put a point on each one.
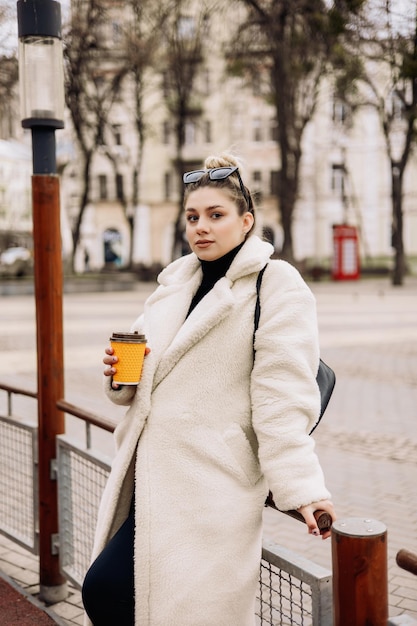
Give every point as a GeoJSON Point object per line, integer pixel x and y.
{"type": "Point", "coordinates": [217, 173]}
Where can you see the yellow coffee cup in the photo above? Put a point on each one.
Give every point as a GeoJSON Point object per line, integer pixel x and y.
{"type": "Point", "coordinates": [130, 351]}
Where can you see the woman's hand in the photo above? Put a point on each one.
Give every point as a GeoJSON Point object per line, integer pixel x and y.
{"type": "Point", "coordinates": [110, 359]}
{"type": "Point", "coordinates": [308, 513]}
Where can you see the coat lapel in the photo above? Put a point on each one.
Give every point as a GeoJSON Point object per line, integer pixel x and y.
{"type": "Point", "coordinates": [165, 316]}
{"type": "Point", "coordinates": [165, 312]}
{"type": "Point", "coordinates": [209, 312]}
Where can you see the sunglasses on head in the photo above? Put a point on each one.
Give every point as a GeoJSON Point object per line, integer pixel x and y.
{"type": "Point", "coordinates": [217, 173]}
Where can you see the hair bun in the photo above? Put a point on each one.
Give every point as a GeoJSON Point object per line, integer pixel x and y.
{"type": "Point", "coordinates": [222, 160]}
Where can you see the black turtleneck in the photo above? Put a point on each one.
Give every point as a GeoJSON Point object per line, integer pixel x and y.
{"type": "Point", "coordinates": [212, 272]}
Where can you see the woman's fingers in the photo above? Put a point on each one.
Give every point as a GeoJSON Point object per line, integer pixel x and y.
{"type": "Point", "coordinates": [110, 359]}
{"type": "Point", "coordinates": [308, 513]}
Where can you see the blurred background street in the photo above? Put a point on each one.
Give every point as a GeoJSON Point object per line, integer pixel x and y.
{"type": "Point", "coordinates": [367, 441]}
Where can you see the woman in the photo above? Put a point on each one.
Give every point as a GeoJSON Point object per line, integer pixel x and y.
{"type": "Point", "coordinates": [210, 428]}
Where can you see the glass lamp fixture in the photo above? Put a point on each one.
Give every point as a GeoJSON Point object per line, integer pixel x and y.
{"type": "Point", "coordinates": [41, 73]}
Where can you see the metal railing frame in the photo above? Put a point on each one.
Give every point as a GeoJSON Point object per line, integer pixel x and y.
{"type": "Point", "coordinates": [318, 578]}
{"type": "Point", "coordinates": [29, 537]}
{"type": "Point", "coordinates": [315, 577]}
{"type": "Point", "coordinates": [29, 543]}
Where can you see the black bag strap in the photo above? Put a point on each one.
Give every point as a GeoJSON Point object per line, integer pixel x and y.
{"type": "Point", "coordinates": [258, 303]}
{"type": "Point", "coordinates": [326, 378]}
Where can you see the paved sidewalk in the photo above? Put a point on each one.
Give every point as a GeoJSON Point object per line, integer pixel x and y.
{"type": "Point", "coordinates": [367, 441]}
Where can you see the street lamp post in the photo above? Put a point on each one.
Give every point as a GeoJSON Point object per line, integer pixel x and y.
{"type": "Point", "coordinates": [42, 110]}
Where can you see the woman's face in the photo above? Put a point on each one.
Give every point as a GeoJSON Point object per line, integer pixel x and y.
{"type": "Point", "coordinates": [213, 224]}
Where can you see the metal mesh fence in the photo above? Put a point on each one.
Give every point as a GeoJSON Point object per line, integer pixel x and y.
{"type": "Point", "coordinates": [81, 479]}
{"type": "Point", "coordinates": [292, 590]}
{"type": "Point", "coordinates": [19, 483]}
{"type": "Point", "coordinates": [283, 599]}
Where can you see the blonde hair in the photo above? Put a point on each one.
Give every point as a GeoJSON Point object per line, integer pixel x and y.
{"type": "Point", "coordinates": [230, 184]}
{"type": "Point", "coordinates": [221, 160]}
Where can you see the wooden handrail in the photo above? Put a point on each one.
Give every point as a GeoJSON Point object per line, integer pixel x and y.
{"type": "Point", "coordinates": [324, 521]}
{"type": "Point", "coordinates": [18, 391]}
{"type": "Point", "coordinates": [407, 560]}
{"type": "Point", "coordinates": [86, 416]}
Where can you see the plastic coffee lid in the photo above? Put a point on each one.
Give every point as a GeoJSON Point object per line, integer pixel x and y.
{"type": "Point", "coordinates": [128, 337]}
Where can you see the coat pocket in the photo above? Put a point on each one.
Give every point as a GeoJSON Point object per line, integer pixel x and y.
{"type": "Point", "coordinates": [243, 453]}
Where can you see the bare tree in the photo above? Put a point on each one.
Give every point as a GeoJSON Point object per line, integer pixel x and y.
{"type": "Point", "coordinates": [8, 95]}
{"type": "Point", "coordinates": [183, 36]}
{"type": "Point", "coordinates": [141, 42]}
{"type": "Point", "coordinates": [287, 47]}
{"type": "Point", "coordinates": [7, 29]}
{"type": "Point", "coordinates": [93, 79]}
{"type": "Point", "coordinates": [388, 45]}
{"type": "Point", "coordinates": [8, 73]}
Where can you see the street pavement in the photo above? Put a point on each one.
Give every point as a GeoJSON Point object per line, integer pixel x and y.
{"type": "Point", "coordinates": [367, 441]}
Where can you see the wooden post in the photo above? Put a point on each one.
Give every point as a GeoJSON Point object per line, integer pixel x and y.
{"type": "Point", "coordinates": [48, 295]}
{"type": "Point", "coordinates": [42, 106]}
{"type": "Point", "coordinates": [407, 560]}
{"type": "Point", "coordinates": [360, 581]}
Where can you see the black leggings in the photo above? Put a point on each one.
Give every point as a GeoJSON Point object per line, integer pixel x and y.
{"type": "Point", "coordinates": [108, 588]}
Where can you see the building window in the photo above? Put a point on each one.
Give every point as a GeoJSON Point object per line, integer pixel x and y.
{"type": "Point", "coordinates": [257, 129]}
{"type": "Point", "coordinates": [102, 187]}
{"type": "Point", "coordinates": [338, 180]}
{"type": "Point", "coordinates": [340, 111]}
{"type": "Point", "coordinates": [273, 130]}
{"type": "Point", "coordinates": [117, 33]}
{"type": "Point", "coordinates": [112, 241]}
{"type": "Point", "coordinates": [99, 82]}
{"type": "Point", "coordinates": [117, 132]}
{"type": "Point", "coordinates": [206, 82]}
{"type": "Point", "coordinates": [167, 185]}
{"type": "Point", "coordinates": [274, 183]}
{"type": "Point", "coordinates": [119, 187]}
{"type": "Point", "coordinates": [257, 178]}
{"type": "Point", "coordinates": [257, 186]}
{"type": "Point", "coordinates": [189, 133]}
{"type": "Point", "coordinates": [207, 131]}
{"type": "Point", "coordinates": [396, 106]}
{"type": "Point", "coordinates": [186, 27]}
{"type": "Point", "coordinates": [165, 84]}
{"type": "Point", "coordinates": [205, 29]}
{"type": "Point", "coordinates": [165, 133]}
{"type": "Point", "coordinates": [256, 84]}
{"type": "Point", "coordinates": [74, 200]}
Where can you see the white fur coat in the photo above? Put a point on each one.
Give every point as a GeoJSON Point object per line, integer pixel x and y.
{"type": "Point", "coordinates": [209, 431]}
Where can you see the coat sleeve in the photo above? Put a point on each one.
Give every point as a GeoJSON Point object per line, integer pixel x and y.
{"type": "Point", "coordinates": [124, 395]}
{"type": "Point", "coordinates": [284, 391]}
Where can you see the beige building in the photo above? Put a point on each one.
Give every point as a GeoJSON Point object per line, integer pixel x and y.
{"type": "Point", "coordinates": [15, 194]}
{"type": "Point", "coordinates": [345, 173]}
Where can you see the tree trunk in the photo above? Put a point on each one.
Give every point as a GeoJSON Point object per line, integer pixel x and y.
{"type": "Point", "coordinates": [177, 243]}
{"type": "Point", "coordinates": [287, 195]}
{"type": "Point", "coordinates": [76, 229]}
{"type": "Point", "coordinates": [397, 229]}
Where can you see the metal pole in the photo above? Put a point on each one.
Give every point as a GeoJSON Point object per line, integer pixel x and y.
{"type": "Point", "coordinates": [42, 107]}
{"type": "Point", "coordinates": [48, 296]}
{"type": "Point", "coordinates": [360, 580]}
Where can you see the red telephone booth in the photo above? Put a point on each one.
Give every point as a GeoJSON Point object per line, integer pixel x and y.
{"type": "Point", "coordinates": [346, 252]}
